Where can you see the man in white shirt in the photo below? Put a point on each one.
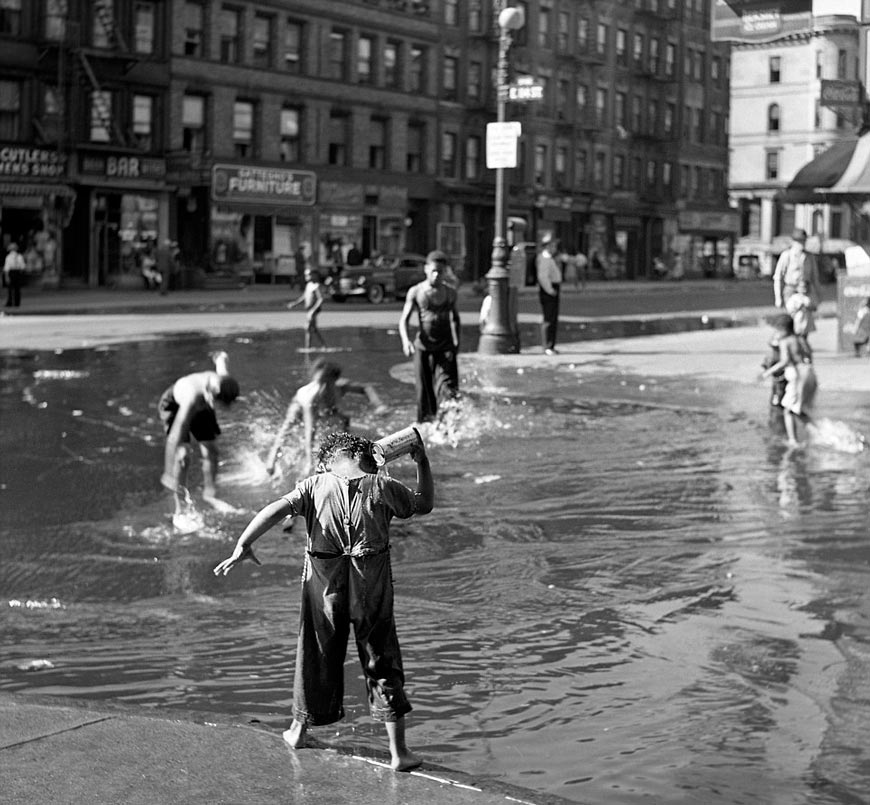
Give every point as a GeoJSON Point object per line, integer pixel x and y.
{"type": "Point", "coordinates": [549, 279]}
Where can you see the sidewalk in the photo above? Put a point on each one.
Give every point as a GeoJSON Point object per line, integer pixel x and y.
{"type": "Point", "coordinates": [74, 753]}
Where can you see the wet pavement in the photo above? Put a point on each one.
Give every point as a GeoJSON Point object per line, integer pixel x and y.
{"type": "Point", "coordinates": [57, 751]}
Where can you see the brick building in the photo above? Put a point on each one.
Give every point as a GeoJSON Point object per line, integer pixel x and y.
{"type": "Point", "coordinates": [260, 134]}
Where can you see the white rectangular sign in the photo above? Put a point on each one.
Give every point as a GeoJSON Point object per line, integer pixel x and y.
{"type": "Point", "coordinates": [501, 144]}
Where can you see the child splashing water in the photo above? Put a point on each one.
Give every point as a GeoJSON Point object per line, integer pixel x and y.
{"type": "Point", "coordinates": [801, 385]}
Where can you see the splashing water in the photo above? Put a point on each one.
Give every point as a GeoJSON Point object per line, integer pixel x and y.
{"type": "Point", "coordinates": [836, 436]}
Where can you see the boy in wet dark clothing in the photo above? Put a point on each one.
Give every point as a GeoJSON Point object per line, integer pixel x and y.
{"type": "Point", "coordinates": [347, 579]}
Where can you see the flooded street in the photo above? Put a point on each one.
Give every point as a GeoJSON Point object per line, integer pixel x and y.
{"type": "Point", "coordinates": [620, 596]}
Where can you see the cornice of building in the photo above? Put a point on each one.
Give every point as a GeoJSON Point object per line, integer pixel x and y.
{"type": "Point", "coordinates": [823, 26]}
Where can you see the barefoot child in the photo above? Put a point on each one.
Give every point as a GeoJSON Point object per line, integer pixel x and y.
{"type": "Point", "coordinates": [312, 298]}
{"type": "Point", "coordinates": [800, 389]}
{"type": "Point", "coordinates": [187, 409]}
{"type": "Point", "coordinates": [347, 579]}
{"type": "Point", "coordinates": [861, 328]}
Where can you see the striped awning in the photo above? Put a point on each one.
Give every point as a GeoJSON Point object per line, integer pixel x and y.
{"type": "Point", "coordinates": [841, 171]}
{"type": "Point", "coordinates": [35, 189]}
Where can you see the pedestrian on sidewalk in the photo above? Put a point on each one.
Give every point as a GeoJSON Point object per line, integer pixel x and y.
{"type": "Point", "coordinates": [346, 580]}
{"type": "Point", "coordinates": [13, 274]}
{"type": "Point", "coordinates": [861, 328]}
{"type": "Point", "coordinates": [549, 281]}
{"type": "Point", "coordinates": [794, 265]}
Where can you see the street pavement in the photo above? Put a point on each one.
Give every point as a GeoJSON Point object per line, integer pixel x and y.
{"type": "Point", "coordinates": [61, 751]}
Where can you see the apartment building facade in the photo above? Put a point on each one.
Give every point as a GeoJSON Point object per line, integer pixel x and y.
{"type": "Point", "coordinates": [778, 125]}
{"type": "Point", "coordinates": [261, 134]}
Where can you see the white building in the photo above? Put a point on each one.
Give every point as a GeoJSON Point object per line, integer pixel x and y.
{"type": "Point", "coordinates": [777, 125]}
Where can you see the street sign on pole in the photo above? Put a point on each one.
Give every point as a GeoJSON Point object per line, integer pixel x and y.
{"type": "Point", "coordinates": [501, 144]}
{"type": "Point", "coordinates": [525, 92]}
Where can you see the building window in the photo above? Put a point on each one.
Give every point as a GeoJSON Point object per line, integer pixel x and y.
{"type": "Point", "coordinates": [620, 101]}
{"type": "Point", "coordinates": [715, 68]}
{"type": "Point", "coordinates": [193, 124]}
{"type": "Point", "coordinates": [243, 129]}
{"type": "Point", "coordinates": [560, 166]}
{"type": "Point", "coordinates": [636, 172]}
{"type": "Point", "coordinates": [697, 65]}
{"type": "Point", "coordinates": [337, 151]}
{"type": "Point", "coordinates": [563, 93]}
{"type": "Point", "coordinates": [414, 154]}
{"type": "Point", "coordinates": [774, 69]}
{"type": "Point", "coordinates": [667, 174]}
{"type": "Point", "coordinates": [391, 64]}
{"type": "Point", "coordinates": [262, 44]}
{"type": "Point", "coordinates": [651, 174]}
{"type": "Point", "coordinates": [143, 30]}
{"type": "Point", "coordinates": [451, 12]}
{"type": "Point", "coordinates": [417, 70]}
{"type": "Point", "coordinates": [55, 19]}
{"type": "Point", "coordinates": [448, 154]}
{"type": "Point", "coordinates": [475, 80]}
{"type": "Point", "coordinates": [817, 114]}
{"type": "Point", "coordinates": [670, 59]}
{"type": "Point", "coordinates": [598, 168]}
{"type": "Point", "coordinates": [698, 125]}
{"type": "Point", "coordinates": [378, 144]}
{"type": "Point", "coordinates": [668, 121]}
{"type": "Point", "coordinates": [771, 168]}
{"type": "Point", "coordinates": [541, 166]}
{"type": "Point", "coordinates": [10, 110]}
{"type": "Point", "coordinates": [451, 66]}
{"type": "Point", "coordinates": [544, 27]}
{"type": "Point", "coordinates": [521, 37]}
{"type": "Point", "coordinates": [229, 25]}
{"type": "Point", "coordinates": [101, 34]}
{"type": "Point", "coordinates": [773, 117]}
{"type": "Point", "coordinates": [600, 107]}
{"type": "Point", "coordinates": [636, 114]}
{"type": "Point", "coordinates": [582, 33]}
{"type": "Point", "coordinates": [564, 24]}
{"type": "Point", "coordinates": [101, 117]}
{"type": "Point", "coordinates": [194, 16]}
{"type": "Point", "coordinates": [475, 16]}
{"type": "Point", "coordinates": [841, 64]}
{"type": "Point", "coordinates": [337, 64]}
{"type": "Point", "coordinates": [819, 59]}
{"type": "Point", "coordinates": [291, 141]}
{"type": "Point", "coordinates": [472, 157]}
{"type": "Point", "coordinates": [637, 50]}
{"type": "Point", "coordinates": [364, 54]}
{"type": "Point", "coordinates": [582, 99]}
{"type": "Point", "coordinates": [652, 116]}
{"type": "Point", "coordinates": [143, 121]}
{"type": "Point", "coordinates": [654, 56]}
{"type": "Point", "coordinates": [580, 167]}
{"type": "Point", "coordinates": [621, 47]}
{"type": "Point", "coordinates": [601, 39]}
{"type": "Point", "coordinates": [618, 171]}
{"type": "Point", "coordinates": [293, 38]}
{"type": "Point", "coordinates": [10, 17]}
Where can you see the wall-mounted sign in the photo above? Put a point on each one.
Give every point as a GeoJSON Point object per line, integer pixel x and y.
{"type": "Point", "coordinates": [40, 163]}
{"type": "Point", "coordinates": [835, 93]}
{"type": "Point", "coordinates": [253, 185]}
{"type": "Point", "coordinates": [121, 166]}
{"type": "Point", "coordinates": [759, 20]}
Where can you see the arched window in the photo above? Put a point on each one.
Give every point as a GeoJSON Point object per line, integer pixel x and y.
{"type": "Point", "coordinates": [773, 117]}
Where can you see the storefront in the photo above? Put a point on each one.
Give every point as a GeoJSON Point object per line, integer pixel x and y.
{"type": "Point", "coordinates": [261, 222]}
{"type": "Point", "coordinates": [704, 243]}
{"type": "Point", "coordinates": [35, 206]}
{"type": "Point", "coordinates": [122, 217]}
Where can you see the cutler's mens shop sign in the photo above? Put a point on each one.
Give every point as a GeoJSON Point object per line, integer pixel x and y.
{"type": "Point", "coordinates": [31, 162]}
{"type": "Point", "coordinates": [246, 184]}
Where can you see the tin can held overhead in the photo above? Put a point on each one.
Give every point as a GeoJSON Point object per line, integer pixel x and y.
{"type": "Point", "coordinates": [396, 444]}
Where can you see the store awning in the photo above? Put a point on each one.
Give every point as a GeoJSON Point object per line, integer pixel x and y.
{"type": "Point", "coordinates": [840, 173]}
{"type": "Point", "coordinates": [35, 189]}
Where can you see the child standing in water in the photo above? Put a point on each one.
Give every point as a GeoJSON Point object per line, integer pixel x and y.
{"type": "Point", "coordinates": [312, 298]}
{"type": "Point", "coordinates": [347, 579]}
{"type": "Point", "coordinates": [800, 389]}
{"type": "Point", "coordinates": [800, 307]}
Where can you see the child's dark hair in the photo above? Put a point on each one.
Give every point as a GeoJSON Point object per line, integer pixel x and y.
{"type": "Point", "coordinates": [340, 442]}
{"type": "Point", "coordinates": [326, 369]}
{"type": "Point", "coordinates": [229, 390]}
{"type": "Point", "coordinates": [784, 322]}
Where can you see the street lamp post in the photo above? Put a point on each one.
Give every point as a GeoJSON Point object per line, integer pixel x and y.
{"type": "Point", "coordinates": [499, 334]}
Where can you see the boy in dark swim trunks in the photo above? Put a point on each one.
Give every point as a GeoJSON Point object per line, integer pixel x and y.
{"type": "Point", "coordinates": [436, 372]}
{"type": "Point", "coordinates": [187, 409]}
{"type": "Point", "coordinates": [347, 579]}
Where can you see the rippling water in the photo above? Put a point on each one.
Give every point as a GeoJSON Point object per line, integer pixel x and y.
{"type": "Point", "coordinates": [629, 590]}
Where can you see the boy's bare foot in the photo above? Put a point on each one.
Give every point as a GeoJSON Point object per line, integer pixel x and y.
{"type": "Point", "coordinates": [295, 735]}
{"type": "Point", "coordinates": [405, 760]}
{"type": "Point", "coordinates": [220, 505]}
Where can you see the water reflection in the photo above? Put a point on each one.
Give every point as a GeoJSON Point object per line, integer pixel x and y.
{"type": "Point", "coordinates": [622, 595]}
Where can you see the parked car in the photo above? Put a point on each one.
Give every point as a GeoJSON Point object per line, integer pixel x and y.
{"type": "Point", "coordinates": [391, 279]}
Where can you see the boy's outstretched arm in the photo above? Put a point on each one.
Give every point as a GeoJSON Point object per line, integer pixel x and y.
{"type": "Point", "coordinates": [263, 520]}
{"type": "Point", "coordinates": [425, 483]}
